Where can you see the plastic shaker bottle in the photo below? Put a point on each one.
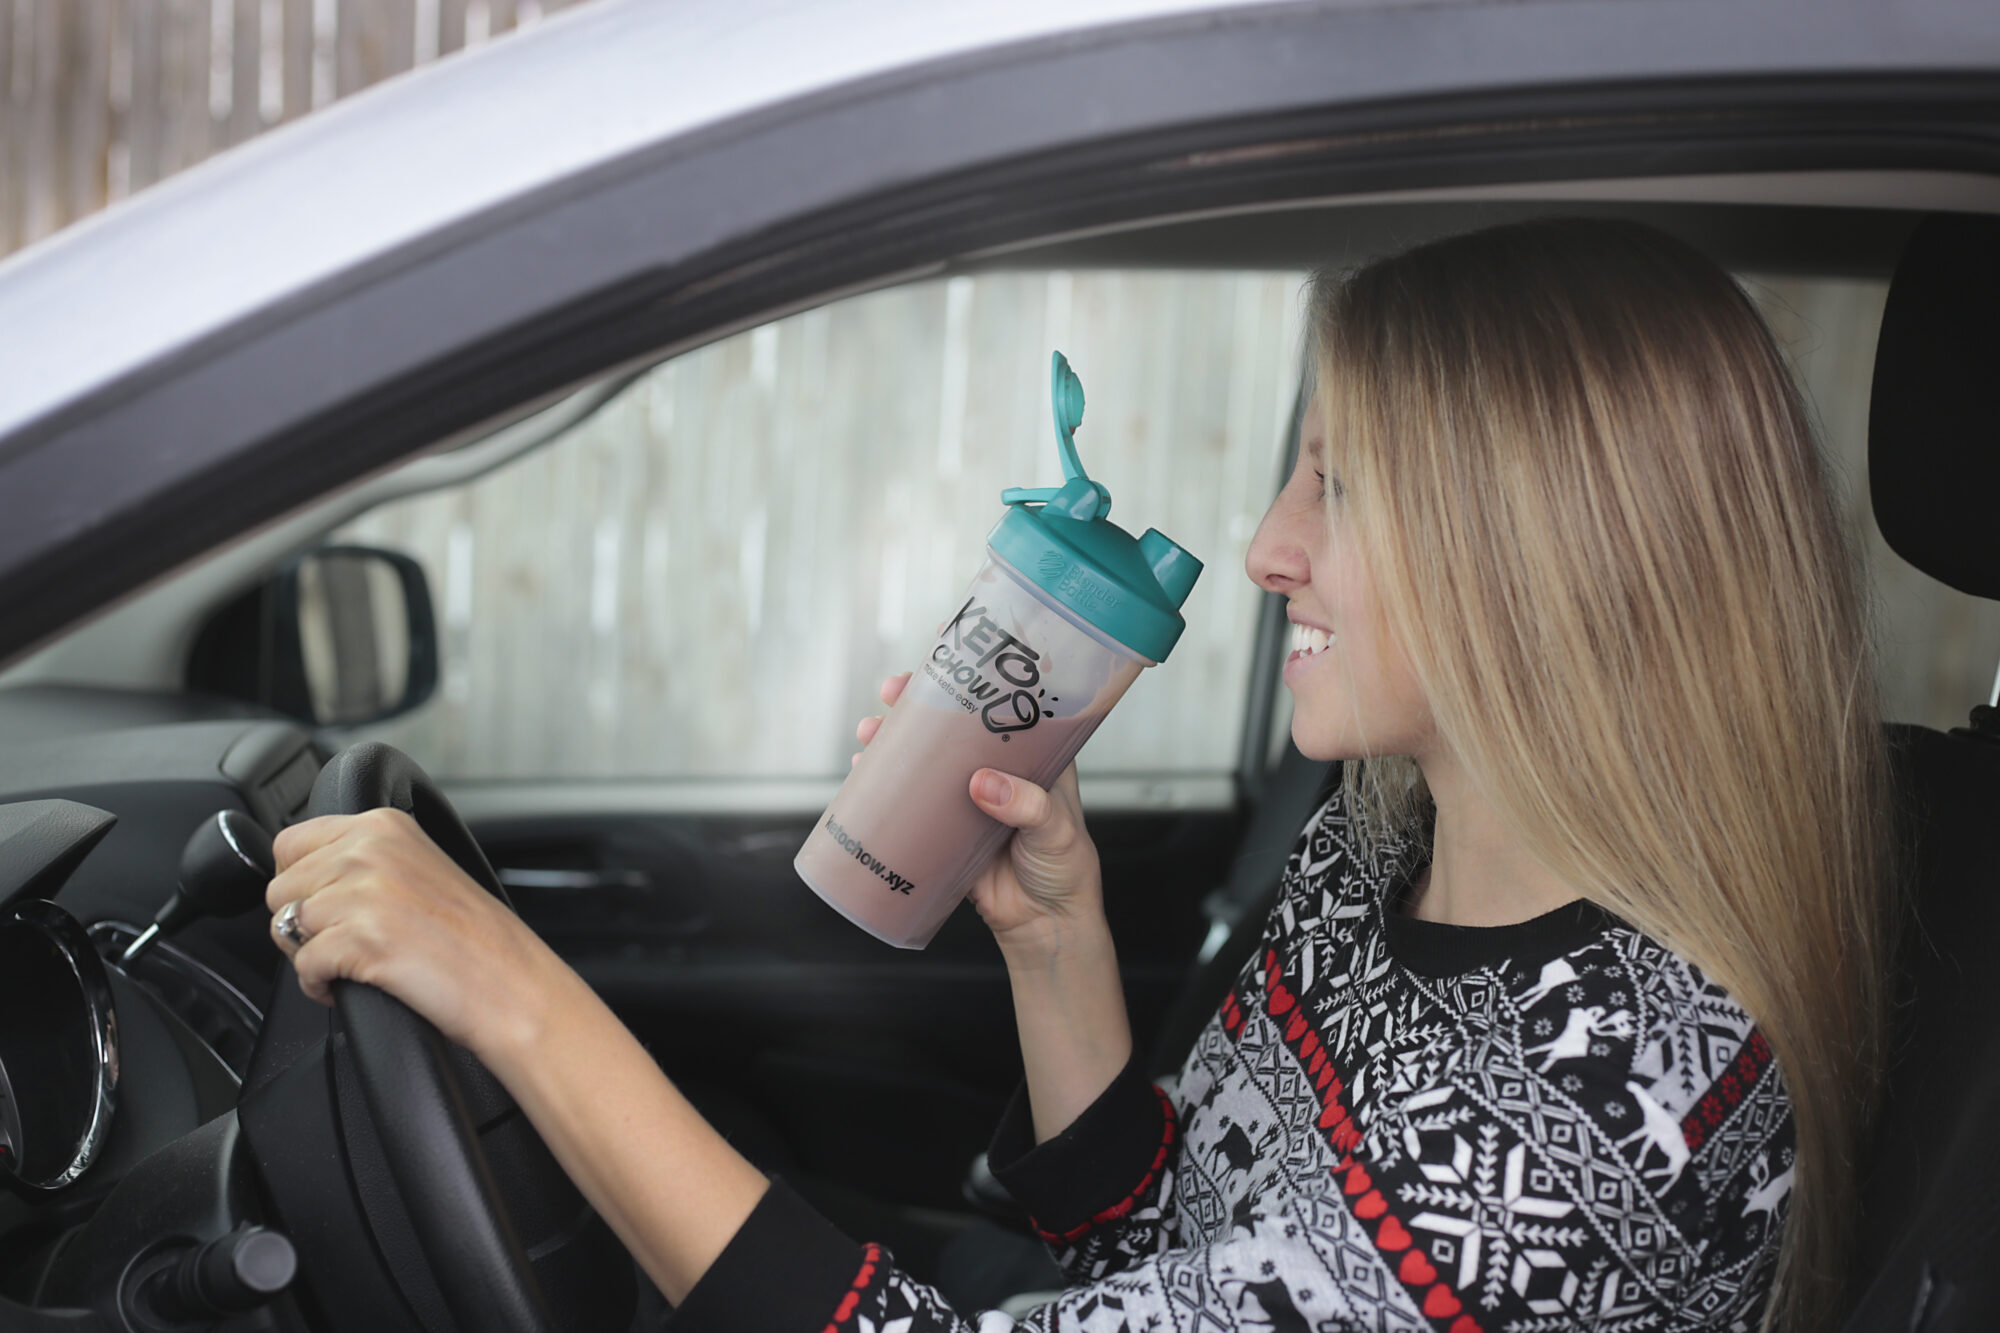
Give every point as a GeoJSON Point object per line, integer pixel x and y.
{"type": "Point", "coordinates": [1059, 621]}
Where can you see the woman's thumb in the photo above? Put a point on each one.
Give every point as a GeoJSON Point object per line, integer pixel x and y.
{"type": "Point", "coordinates": [1012, 801]}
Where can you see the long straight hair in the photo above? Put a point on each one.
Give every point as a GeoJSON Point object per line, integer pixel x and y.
{"type": "Point", "coordinates": [1587, 490]}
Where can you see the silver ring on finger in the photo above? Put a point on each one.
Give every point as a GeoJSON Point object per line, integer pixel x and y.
{"type": "Point", "coordinates": [286, 924]}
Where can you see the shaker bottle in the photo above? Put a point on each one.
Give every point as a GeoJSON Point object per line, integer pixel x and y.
{"type": "Point", "coordinates": [1062, 617]}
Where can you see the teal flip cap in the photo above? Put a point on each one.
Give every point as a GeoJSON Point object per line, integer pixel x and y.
{"type": "Point", "coordinates": [1062, 540]}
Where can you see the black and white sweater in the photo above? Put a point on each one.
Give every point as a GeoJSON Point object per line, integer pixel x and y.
{"type": "Point", "coordinates": [1389, 1124]}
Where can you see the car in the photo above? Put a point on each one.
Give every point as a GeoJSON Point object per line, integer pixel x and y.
{"type": "Point", "coordinates": [595, 416]}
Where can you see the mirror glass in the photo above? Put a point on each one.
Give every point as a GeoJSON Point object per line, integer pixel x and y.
{"type": "Point", "coordinates": [354, 635]}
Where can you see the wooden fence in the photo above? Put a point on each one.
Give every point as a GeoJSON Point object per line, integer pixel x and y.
{"type": "Point", "coordinates": [711, 576]}
{"type": "Point", "coordinates": [99, 98]}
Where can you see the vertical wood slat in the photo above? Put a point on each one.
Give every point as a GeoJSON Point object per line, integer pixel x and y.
{"type": "Point", "coordinates": [297, 58]}
{"type": "Point", "coordinates": [246, 52]}
{"type": "Point", "coordinates": [201, 133]}
{"type": "Point", "coordinates": [64, 76]}
{"type": "Point", "coordinates": [348, 47]}
{"type": "Point", "coordinates": [173, 21]}
{"type": "Point", "coordinates": [377, 39]}
{"type": "Point", "coordinates": [10, 134]}
{"type": "Point", "coordinates": [217, 26]}
{"type": "Point", "coordinates": [184, 84]}
{"type": "Point", "coordinates": [144, 115]}
{"type": "Point", "coordinates": [39, 173]}
{"type": "Point", "coordinates": [89, 107]}
{"type": "Point", "coordinates": [397, 20]}
{"type": "Point", "coordinates": [118, 101]}
{"type": "Point", "coordinates": [451, 26]}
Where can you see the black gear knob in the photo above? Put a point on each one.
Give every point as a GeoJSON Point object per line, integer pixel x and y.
{"type": "Point", "coordinates": [225, 868]}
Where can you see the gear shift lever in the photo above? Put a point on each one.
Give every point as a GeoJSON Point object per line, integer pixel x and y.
{"type": "Point", "coordinates": [224, 870]}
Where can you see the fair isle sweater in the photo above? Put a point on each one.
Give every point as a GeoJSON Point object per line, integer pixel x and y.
{"type": "Point", "coordinates": [1389, 1124]}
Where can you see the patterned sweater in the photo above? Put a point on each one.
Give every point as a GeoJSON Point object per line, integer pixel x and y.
{"type": "Point", "coordinates": [1389, 1124]}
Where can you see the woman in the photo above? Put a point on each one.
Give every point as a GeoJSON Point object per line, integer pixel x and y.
{"type": "Point", "coordinates": [1567, 1014]}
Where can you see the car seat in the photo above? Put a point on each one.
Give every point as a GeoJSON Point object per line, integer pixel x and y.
{"type": "Point", "coordinates": [1929, 1260]}
{"type": "Point", "coordinates": [1236, 911]}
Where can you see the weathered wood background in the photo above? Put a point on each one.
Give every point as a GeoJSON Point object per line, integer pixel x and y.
{"type": "Point", "coordinates": [99, 98]}
{"type": "Point", "coordinates": [710, 577]}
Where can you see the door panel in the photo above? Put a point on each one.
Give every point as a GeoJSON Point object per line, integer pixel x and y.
{"type": "Point", "coordinates": [880, 1069]}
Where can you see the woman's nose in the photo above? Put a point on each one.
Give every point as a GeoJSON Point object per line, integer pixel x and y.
{"type": "Point", "coordinates": [1276, 560]}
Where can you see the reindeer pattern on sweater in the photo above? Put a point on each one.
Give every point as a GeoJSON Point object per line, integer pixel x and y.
{"type": "Point", "coordinates": [1597, 1139]}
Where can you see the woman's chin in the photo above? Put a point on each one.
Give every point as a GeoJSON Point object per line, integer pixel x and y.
{"type": "Point", "coordinates": [1315, 743]}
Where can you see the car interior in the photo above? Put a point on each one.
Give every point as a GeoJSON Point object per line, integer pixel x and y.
{"type": "Point", "coordinates": [870, 1078]}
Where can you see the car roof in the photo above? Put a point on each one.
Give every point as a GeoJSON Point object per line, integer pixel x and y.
{"type": "Point", "coordinates": [631, 176]}
{"type": "Point", "coordinates": [409, 158]}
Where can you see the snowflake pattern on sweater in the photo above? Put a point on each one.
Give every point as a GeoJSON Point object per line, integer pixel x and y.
{"type": "Point", "coordinates": [1593, 1138]}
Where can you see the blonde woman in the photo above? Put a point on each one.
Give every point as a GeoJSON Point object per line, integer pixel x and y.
{"type": "Point", "coordinates": [1567, 1014]}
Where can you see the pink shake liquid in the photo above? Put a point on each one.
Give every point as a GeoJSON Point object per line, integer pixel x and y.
{"type": "Point", "coordinates": [1021, 692]}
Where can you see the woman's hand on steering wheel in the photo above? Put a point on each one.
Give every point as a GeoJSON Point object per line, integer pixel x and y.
{"type": "Point", "coordinates": [1043, 887]}
{"type": "Point", "coordinates": [378, 902]}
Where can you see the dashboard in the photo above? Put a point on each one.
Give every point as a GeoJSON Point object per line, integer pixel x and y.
{"type": "Point", "coordinates": [106, 1065]}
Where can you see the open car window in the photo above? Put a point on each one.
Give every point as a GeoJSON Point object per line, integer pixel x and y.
{"type": "Point", "coordinates": [708, 578]}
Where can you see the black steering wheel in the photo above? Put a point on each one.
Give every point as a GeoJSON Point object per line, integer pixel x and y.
{"type": "Point", "coordinates": [430, 1105]}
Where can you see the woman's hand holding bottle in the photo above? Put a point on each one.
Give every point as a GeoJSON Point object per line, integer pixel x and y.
{"type": "Point", "coordinates": [1042, 889]}
{"type": "Point", "coordinates": [1042, 895]}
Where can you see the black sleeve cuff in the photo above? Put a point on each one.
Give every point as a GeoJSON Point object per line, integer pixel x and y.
{"type": "Point", "coordinates": [786, 1270]}
{"type": "Point", "coordinates": [1097, 1169]}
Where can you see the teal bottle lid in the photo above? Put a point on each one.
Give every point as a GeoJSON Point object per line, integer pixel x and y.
{"type": "Point", "coordinates": [1063, 541]}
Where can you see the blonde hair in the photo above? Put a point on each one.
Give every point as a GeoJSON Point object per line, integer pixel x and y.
{"type": "Point", "coordinates": [1585, 485]}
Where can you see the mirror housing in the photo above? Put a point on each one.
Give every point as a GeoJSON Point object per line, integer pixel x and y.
{"type": "Point", "coordinates": [340, 636]}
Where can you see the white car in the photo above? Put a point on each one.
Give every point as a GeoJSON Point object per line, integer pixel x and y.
{"type": "Point", "coordinates": [495, 411]}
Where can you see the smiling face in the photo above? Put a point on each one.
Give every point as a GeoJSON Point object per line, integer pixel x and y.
{"type": "Point", "coordinates": [1354, 694]}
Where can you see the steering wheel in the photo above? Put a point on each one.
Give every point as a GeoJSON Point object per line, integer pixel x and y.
{"type": "Point", "coordinates": [429, 1103]}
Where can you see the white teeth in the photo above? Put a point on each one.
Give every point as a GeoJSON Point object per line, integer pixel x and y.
{"type": "Point", "coordinates": [1309, 640]}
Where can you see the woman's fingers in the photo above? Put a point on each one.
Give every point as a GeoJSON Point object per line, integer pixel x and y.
{"type": "Point", "coordinates": [1018, 803]}
{"type": "Point", "coordinates": [322, 960]}
{"type": "Point", "coordinates": [865, 729]}
{"type": "Point", "coordinates": [301, 840]}
{"type": "Point", "coordinates": [1065, 787]}
{"type": "Point", "coordinates": [289, 915]}
{"type": "Point", "coordinates": [333, 846]}
{"type": "Point", "coordinates": [308, 873]}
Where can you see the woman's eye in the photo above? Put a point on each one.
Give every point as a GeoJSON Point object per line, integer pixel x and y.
{"type": "Point", "coordinates": [1338, 490]}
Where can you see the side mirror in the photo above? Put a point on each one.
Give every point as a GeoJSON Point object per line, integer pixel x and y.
{"type": "Point", "coordinates": [339, 637]}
